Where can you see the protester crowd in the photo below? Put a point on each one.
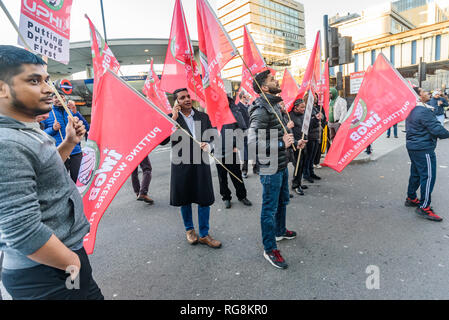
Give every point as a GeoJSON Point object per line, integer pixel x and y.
{"type": "Point", "coordinates": [42, 223]}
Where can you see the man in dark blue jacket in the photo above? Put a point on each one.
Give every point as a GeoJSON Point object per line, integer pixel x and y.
{"type": "Point", "coordinates": [56, 129]}
{"type": "Point", "coordinates": [423, 130]}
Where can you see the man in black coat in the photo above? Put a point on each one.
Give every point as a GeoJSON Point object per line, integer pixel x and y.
{"type": "Point", "coordinates": [243, 107]}
{"type": "Point", "coordinates": [268, 135]}
{"type": "Point", "coordinates": [226, 151]}
{"type": "Point", "coordinates": [191, 179]}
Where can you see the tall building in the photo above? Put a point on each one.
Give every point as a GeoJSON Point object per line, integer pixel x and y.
{"type": "Point", "coordinates": [375, 22]}
{"type": "Point", "coordinates": [277, 27]}
{"type": "Point", "coordinates": [422, 12]}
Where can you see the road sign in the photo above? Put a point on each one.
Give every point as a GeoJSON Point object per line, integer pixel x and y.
{"type": "Point", "coordinates": [66, 86]}
{"type": "Point", "coordinates": [355, 80]}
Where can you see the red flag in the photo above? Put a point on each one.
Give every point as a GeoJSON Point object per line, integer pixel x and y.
{"type": "Point", "coordinates": [384, 99]}
{"type": "Point", "coordinates": [216, 49]}
{"type": "Point", "coordinates": [179, 61]}
{"type": "Point", "coordinates": [154, 93]}
{"type": "Point", "coordinates": [324, 90]}
{"type": "Point", "coordinates": [111, 155]}
{"type": "Point", "coordinates": [313, 71]}
{"type": "Point", "coordinates": [254, 61]}
{"type": "Point", "coordinates": [290, 90]}
{"type": "Point", "coordinates": [102, 57]}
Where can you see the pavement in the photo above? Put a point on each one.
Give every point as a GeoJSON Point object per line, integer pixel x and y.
{"type": "Point", "coordinates": [350, 226]}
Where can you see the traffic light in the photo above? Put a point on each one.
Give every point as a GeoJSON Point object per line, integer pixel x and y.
{"type": "Point", "coordinates": [345, 47]}
{"type": "Point", "coordinates": [340, 48]}
{"type": "Point", "coordinates": [422, 71]}
{"type": "Point", "coordinates": [339, 81]}
{"type": "Point", "coordinates": [333, 47]}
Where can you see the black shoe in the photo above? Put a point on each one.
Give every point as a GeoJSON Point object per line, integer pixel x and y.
{"type": "Point", "coordinates": [291, 195]}
{"type": "Point", "coordinates": [275, 258]}
{"type": "Point", "coordinates": [309, 179]}
{"type": "Point", "coordinates": [245, 175]}
{"type": "Point", "coordinates": [412, 203]}
{"type": "Point", "coordinates": [314, 176]}
{"type": "Point", "coordinates": [227, 204]}
{"type": "Point", "coordinates": [304, 187]}
{"type": "Point", "coordinates": [246, 202]}
{"type": "Point", "coordinates": [388, 137]}
{"type": "Point", "coordinates": [299, 191]}
{"type": "Point", "coordinates": [289, 235]}
{"type": "Point", "coordinates": [295, 185]}
{"type": "Point", "coordinates": [396, 137]}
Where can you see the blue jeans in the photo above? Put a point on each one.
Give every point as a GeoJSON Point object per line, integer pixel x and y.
{"type": "Point", "coordinates": [423, 172]}
{"type": "Point", "coordinates": [275, 199]}
{"type": "Point", "coordinates": [203, 219]}
{"type": "Point", "coordinates": [395, 130]}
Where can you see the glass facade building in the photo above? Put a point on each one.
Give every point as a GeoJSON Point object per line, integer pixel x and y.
{"type": "Point", "coordinates": [277, 27]}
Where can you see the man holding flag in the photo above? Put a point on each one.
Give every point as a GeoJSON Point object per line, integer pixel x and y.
{"type": "Point", "coordinates": [42, 223]}
{"type": "Point", "coordinates": [267, 134]}
{"type": "Point", "coordinates": [191, 178]}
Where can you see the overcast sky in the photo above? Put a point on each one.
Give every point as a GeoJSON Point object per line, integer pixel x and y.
{"type": "Point", "coordinates": [152, 18]}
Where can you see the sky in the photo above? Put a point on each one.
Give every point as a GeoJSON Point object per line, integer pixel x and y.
{"type": "Point", "coordinates": [152, 18]}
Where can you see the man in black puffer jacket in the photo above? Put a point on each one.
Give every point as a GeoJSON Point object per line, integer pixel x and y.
{"type": "Point", "coordinates": [268, 135]}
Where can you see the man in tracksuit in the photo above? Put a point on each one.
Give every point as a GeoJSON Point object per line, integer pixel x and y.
{"type": "Point", "coordinates": [423, 130]}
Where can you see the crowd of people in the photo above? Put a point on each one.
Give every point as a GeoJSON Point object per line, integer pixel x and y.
{"type": "Point", "coordinates": [42, 223]}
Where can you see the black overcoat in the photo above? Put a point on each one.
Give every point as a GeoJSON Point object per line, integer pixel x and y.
{"type": "Point", "coordinates": [191, 181]}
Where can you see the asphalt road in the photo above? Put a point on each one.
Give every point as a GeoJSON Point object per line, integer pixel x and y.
{"type": "Point", "coordinates": [345, 223]}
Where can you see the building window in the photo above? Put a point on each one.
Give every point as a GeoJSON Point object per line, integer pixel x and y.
{"type": "Point", "coordinates": [392, 55]}
{"type": "Point", "coordinates": [373, 56]}
{"type": "Point", "coordinates": [356, 62]}
{"type": "Point", "coordinates": [414, 52]}
{"type": "Point", "coordinates": [437, 47]}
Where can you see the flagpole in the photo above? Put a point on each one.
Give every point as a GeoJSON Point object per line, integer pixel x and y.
{"type": "Point", "coordinates": [263, 93]}
{"type": "Point", "coordinates": [176, 124]}
{"type": "Point", "coordinates": [299, 158]}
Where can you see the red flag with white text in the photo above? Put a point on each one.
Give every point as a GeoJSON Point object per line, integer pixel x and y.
{"type": "Point", "coordinates": [111, 155]}
{"type": "Point", "coordinates": [216, 49]}
{"type": "Point", "coordinates": [384, 99]}
{"type": "Point", "coordinates": [255, 63]}
{"type": "Point", "coordinates": [102, 56]}
{"type": "Point", "coordinates": [180, 68]}
{"type": "Point", "coordinates": [290, 90]}
{"type": "Point", "coordinates": [154, 93]}
{"type": "Point", "coordinates": [313, 71]}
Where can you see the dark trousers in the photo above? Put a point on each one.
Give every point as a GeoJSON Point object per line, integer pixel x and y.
{"type": "Point", "coordinates": [73, 165]}
{"type": "Point", "coordinates": [142, 188]}
{"type": "Point", "coordinates": [297, 179]}
{"type": "Point", "coordinates": [317, 158]}
{"type": "Point", "coordinates": [423, 172]}
{"type": "Point", "coordinates": [46, 283]}
{"type": "Point", "coordinates": [312, 148]}
{"type": "Point", "coordinates": [223, 180]}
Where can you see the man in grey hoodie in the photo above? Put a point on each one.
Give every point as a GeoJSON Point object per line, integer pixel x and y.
{"type": "Point", "coordinates": [42, 223]}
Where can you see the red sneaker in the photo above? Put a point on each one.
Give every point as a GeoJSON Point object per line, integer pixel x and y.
{"type": "Point", "coordinates": [428, 214]}
{"type": "Point", "coordinates": [412, 203]}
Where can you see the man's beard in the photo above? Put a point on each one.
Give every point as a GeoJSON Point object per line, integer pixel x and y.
{"type": "Point", "coordinates": [20, 106]}
{"type": "Point", "coordinates": [274, 91]}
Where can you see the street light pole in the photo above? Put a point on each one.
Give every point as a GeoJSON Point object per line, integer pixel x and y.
{"type": "Point", "coordinates": [104, 24]}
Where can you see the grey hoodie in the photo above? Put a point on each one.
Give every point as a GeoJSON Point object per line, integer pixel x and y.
{"type": "Point", "coordinates": [37, 196]}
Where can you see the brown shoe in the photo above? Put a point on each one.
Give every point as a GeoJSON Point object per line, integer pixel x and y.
{"type": "Point", "coordinates": [192, 237]}
{"type": "Point", "coordinates": [210, 242]}
{"type": "Point", "coordinates": [144, 197]}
